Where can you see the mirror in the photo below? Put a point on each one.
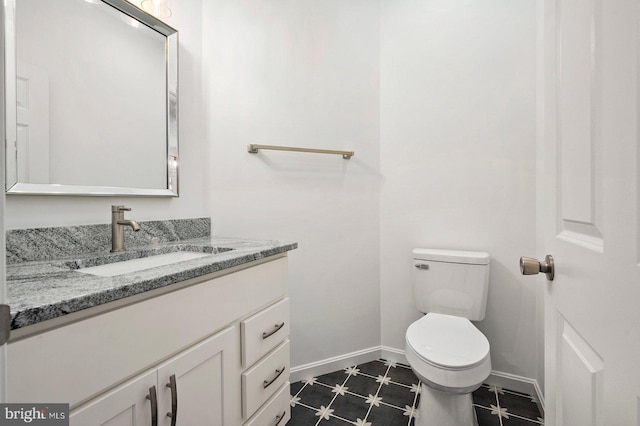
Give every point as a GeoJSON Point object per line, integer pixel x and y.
{"type": "Point", "coordinates": [92, 99]}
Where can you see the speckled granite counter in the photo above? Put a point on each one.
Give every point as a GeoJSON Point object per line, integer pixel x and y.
{"type": "Point", "coordinates": [44, 284]}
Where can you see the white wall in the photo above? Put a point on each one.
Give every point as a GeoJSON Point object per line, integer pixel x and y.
{"type": "Point", "coordinates": [301, 73]}
{"type": "Point", "coordinates": [458, 158]}
{"type": "Point", "coordinates": [38, 211]}
{"type": "Point", "coordinates": [436, 97]}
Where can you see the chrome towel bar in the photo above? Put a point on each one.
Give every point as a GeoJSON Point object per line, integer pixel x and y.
{"type": "Point", "coordinates": [253, 149]}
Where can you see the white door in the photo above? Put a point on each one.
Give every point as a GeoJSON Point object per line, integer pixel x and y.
{"type": "Point", "coordinates": [202, 390]}
{"type": "Point", "coordinates": [5, 137]}
{"type": "Point", "coordinates": [588, 216]}
{"type": "Point", "coordinates": [126, 405]}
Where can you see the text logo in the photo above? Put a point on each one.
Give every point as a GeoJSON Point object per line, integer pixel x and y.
{"type": "Point", "coordinates": [34, 414]}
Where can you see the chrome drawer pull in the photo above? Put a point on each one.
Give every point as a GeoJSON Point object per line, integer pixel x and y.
{"type": "Point", "coordinates": [272, 332]}
{"type": "Point", "coordinates": [280, 417]}
{"type": "Point", "coordinates": [154, 405]}
{"type": "Point", "coordinates": [174, 399]}
{"type": "Point", "coordinates": [268, 383]}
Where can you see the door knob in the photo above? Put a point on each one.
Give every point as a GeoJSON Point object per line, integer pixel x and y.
{"type": "Point", "coordinates": [531, 266]}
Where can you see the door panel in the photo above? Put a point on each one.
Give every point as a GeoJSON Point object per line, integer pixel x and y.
{"type": "Point", "coordinates": [126, 405]}
{"type": "Point", "coordinates": [580, 378]}
{"type": "Point", "coordinates": [204, 382]}
{"type": "Point", "coordinates": [577, 145]}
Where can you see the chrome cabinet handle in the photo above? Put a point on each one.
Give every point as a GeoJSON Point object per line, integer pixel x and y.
{"type": "Point", "coordinates": [153, 397]}
{"type": "Point", "coordinates": [268, 383]}
{"type": "Point", "coordinates": [272, 332]}
{"type": "Point", "coordinates": [281, 417]}
{"type": "Point", "coordinates": [174, 399]}
{"type": "Point", "coordinates": [531, 266]}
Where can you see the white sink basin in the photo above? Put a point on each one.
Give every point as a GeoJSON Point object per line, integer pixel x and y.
{"type": "Point", "coordinates": [135, 265]}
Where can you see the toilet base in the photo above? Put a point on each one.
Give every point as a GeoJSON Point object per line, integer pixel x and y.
{"type": "Point", "coordinates": [438, 408]}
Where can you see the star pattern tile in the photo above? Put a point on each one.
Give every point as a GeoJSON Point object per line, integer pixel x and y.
{"type": "Point", "coordinates": [387, 393]}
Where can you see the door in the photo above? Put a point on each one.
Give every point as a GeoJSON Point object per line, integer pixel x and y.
{"type": "Point", "coordinates": [200, 384]}
{"type": "Point", "coordinates": [6, 137]}
{"type": "Point", "coordinates": [126, 405]}
{"type": "Point", "coordinates": [588, 216]}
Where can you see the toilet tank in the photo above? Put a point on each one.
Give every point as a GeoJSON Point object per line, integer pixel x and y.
{"type": "Point", "coordinates": [451, 282]}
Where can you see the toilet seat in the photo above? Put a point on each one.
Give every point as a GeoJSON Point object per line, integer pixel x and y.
{"type": "Point", "coordinates": [448, 342]}
{"type": "Point", "coordinates": [448, 353]}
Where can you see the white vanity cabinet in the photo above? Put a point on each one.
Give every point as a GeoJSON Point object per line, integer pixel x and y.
{"type": "Point", "coordinates": [104, 366]}
{"type": "Point", "coordinates": [190, 386]}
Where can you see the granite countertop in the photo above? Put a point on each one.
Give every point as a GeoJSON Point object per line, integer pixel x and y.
{"type": "Point", "coordinates": [46, 289]}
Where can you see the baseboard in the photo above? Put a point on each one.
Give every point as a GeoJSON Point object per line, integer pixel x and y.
{"type": "Point", "coordinates": [518, 384]}
{"type": "Point", "coordinates": [335, 363]}
{"type": "Point", "coordinates": [393, 354]}
{"type": "Point", "coordinates": [496, 378]}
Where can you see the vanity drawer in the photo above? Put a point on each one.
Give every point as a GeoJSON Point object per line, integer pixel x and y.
{"type": "Point", "coordinates": [276, 412]}
{"type": "Point", "coordinates": [264, 331]}
{"type": "Point", "coordinates": [263, 379]}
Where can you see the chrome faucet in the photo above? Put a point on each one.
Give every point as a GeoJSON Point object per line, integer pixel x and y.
{"type": "Point", "coordinates": [117, 227]}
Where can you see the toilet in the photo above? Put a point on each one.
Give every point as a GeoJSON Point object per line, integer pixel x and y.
{"type": "Point", "coordinates": [445, 350]}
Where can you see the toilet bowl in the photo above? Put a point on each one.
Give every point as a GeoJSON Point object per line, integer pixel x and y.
{"type": "Point", "coordinates": [451, 358]}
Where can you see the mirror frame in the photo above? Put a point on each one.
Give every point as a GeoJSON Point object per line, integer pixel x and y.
{"type": "Point", "coordinates": [171, 53]}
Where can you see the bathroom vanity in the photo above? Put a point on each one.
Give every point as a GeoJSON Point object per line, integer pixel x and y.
{"type": "Point", "coordinates": [201, 341]}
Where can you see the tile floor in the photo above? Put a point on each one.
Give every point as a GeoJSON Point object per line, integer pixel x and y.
{"type": "Point", "coordinates": [385, 393]}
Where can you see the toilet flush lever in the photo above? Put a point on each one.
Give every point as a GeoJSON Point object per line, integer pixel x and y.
{"type": "Point", "coordinates": [531, 266]}
{"type": "Point", "coordinates": [422, 266]}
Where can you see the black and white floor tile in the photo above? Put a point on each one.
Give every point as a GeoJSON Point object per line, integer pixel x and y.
{"type": "Point", "coordinates": [385, 393]}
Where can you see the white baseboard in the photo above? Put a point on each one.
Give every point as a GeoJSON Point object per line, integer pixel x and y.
{"type": "Point", "coordinates": [518, 384]}
{"type": "Point", "coordinates": [318, 368]}
{"type": "Point", "coordinates": [335, 363]}
{"type": "Point", "coordinates": [393, 354]}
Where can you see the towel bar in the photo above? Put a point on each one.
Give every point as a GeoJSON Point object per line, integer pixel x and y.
{"type": "Point", "coordinates": [253, 149]}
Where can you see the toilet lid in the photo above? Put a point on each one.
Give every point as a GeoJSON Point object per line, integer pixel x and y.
{"type": "Point", "coordinates": [448, 341]}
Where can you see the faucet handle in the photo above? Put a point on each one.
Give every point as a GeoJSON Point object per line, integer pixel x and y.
{"type": "Point", "coordinates": [116, 209]}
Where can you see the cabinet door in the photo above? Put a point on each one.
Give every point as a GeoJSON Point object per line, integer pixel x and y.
{"type": "Point", "coordinates": [126, 405]}
{"type": "Point", "coordinates": [206, 383]}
